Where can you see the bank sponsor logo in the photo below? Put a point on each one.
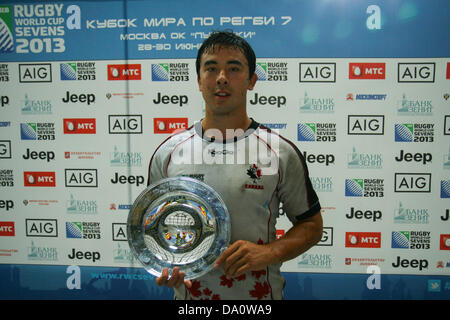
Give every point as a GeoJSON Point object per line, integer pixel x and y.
{"type": "Point", "coordinates": [122, 253]}
{"type": "Point", "coordinates": [416, 72]}
{"type": "Point", "coordinates": [77, 70]}
{"type": "Point", "coordinates": [359, 160]}
{"type": "Point", "coordinates": [83, 230]}
{"type": "Point", "coordinates": [40, 253]}
{"type": "Point", "coordinates": [169, 125]}
{"type": "Point", "coordinates": [41, 228]}
{"type": "Point", "coordinates": [81, 206]}
{"type": "Point", "coordinates": [170, 72]}
{"type": "Point", "coordinates": [33, 73]}
{"type": "Point", "coordinates": [367, 71]}
{"type": "Point", "coordinates": [6, 30]}
{"type": "Point", "coordinates": [6, 178]}
{"type": "Point", "coordinates": [36, 106]}
{"type": "Point", "coordinates": [317, 72]}
{"type": "Point", "coordinates": [413, 182]}
{"type": "Point", "coordinates": [125, 158]}
{"type": "Point", "coordinates": [322, 184]}
{"type": "Point", "coordinates": [412, 107]}
{"type": "Point", "coordinates": [272, 71]}
{"type": "Point", "coordinates": [323, 132]}
{"type": "Point", "coordinates": [363, 239]}
{"type": "Point", "coordinates": [369, 188]}
{"type": "Point", "coordinates": [124, 71]}
{"type": "Point", "coordinates": [445, 189]}
{"type": "Point", "coordinates": [125, 124]}
{"type": "Point", "coordinates": [315, 261]}
{"type": "Point", "coordinates": [411, 240]}
{"type": "Point", "coordinates": [405, 215]}
{"type": "Point", "coordinates": [316, 104]}
{"type": "Point", "coordinates": [39, 179]}
{"type": "Point", "coordinates": [414, 132]}
{"type": "Point", "coordinates": [37, 131]}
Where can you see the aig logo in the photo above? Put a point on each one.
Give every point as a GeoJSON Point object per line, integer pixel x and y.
{"type": "Point", "coordinates": [365, 125]}
{"type": "Point", "coordinates": [29, 73]}
{"type": "Point", "coordinates": [318, 72]}
{"type": "Point", "coordinates": [416, 72]}
{"type": "Point", "coordinates": [41, 227]}
{"type": "Point", "coordinates": [81, 178]}
{"type": "Point", "coordinates": [413, 182]}
{"type": "Point", "coordinates": [125, 124]}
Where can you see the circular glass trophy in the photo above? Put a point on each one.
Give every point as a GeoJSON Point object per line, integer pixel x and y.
{"type": "Point", "coordinates": [178, 222]}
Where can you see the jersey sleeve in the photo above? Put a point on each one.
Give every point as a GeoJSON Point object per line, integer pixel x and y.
{"type": "Point", "coordinates": [295, 190]}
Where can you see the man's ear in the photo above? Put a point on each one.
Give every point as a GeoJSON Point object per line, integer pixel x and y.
{"type": "Point", "coordinates": [253, 80]}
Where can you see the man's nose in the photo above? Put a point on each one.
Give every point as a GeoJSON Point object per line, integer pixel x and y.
{"type": "Point", "coordinates": [222, 77]}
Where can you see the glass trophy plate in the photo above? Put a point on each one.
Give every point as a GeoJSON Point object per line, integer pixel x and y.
{"type": "Point", "coordinates": [178, 222]}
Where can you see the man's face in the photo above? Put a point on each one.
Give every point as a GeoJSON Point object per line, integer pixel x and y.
{"type": "Point", "coordinates": [224, 80]}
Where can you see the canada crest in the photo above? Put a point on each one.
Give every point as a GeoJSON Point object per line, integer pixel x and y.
{"type": "Point", "coordinates": [255, 174]}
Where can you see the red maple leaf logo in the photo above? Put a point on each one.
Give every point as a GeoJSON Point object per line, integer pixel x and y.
{"type": "Point", "coordinates": [260, 290]}
{"type": "Point", "coordinates": [194, 289]}
{"type": "Point", "coordinates": [226, 282]}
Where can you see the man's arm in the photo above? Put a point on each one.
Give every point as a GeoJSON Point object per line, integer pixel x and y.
{"type": "Point", "coordinates": [243, 256]}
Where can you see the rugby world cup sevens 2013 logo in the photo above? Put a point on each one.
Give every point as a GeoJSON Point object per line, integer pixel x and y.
{"type": "Point", "coordinates": [6, 30]}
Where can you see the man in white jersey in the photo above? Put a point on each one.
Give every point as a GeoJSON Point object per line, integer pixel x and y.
{"type": "Point", "coordinates": [252, 168]}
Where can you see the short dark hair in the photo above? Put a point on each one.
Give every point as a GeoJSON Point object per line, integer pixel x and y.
{"type": "Point", "coordinates": [226, 39]}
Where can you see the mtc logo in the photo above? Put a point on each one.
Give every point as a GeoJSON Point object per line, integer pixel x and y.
{"type": "Point", "coordinates": [363, 239]}
{"type": "Point", "coordinates": [79, 126]}
{"type": "Point", "coordinates": [367, 71]}
{"type": "Point", "coordinates": [169, 125]}
{"type": "Point", "coordinates": [124, 72]}
{"type": "Point", "coordinates": [7, 229]}
{"type": "Point", "coordinates": [39, 179]}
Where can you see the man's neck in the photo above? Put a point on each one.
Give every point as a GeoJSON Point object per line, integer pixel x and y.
{"type": "Point", "coordinates": [230, 126]}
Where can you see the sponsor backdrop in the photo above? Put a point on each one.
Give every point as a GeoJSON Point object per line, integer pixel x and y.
{"type": "Point", "coordinates": [90, 88]}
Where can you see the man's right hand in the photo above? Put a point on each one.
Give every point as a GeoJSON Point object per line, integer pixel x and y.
{"type": "Point", "coordinates": [176, 280]}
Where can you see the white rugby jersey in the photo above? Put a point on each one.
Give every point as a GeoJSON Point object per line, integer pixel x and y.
{"type": "Point", "coordinates": [252, 174]}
